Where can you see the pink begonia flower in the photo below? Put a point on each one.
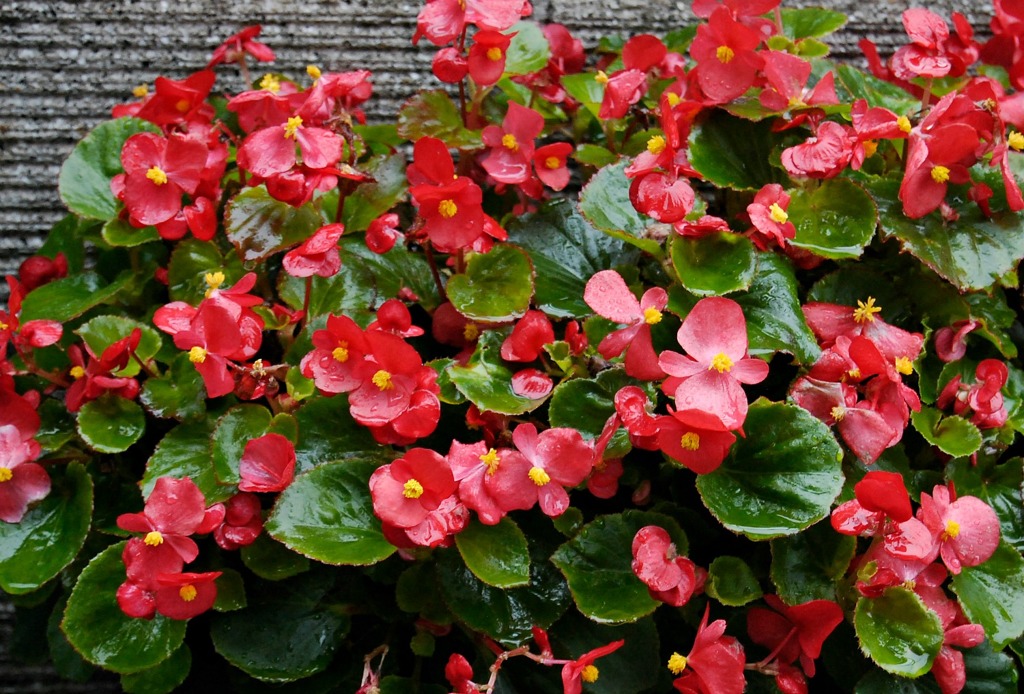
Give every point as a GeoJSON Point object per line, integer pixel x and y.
{"type": "Point", "coordinates": [489, 479]}
{"type": "Point", "coordinates": [583, 669]}
{"type": "Point", "coordinates": [796, 632]}
{"type": "Point", "coordinates": [966, 529]}
{"type": "Point", "coordinates": [708, 376]}
{"type": "Point", "coordinates": [174, 510]}
{"type": "Point", "coordinates": [829, 321]}
{"type": "Point", "coordinates": [558, 458]}
{"type": "Point", "coordinates": [951, 341]}
{"type": "Point", "coordinates": [769, 216]}
{"type": "Point", "coordinates": [337, 351]}
{"type": "Point", "coordinates": [984, 399]}
{"type": "Point", "coordinates": [714, 665]}
{"type": "Point", "coordinates": [669, 577]}
{"type": "Point", "coordinates": [317, 255]}
{"type": "Point", "coordinates": [512, 144]}
{"type": "Point", "coordinates": [267, 464]}
{"type": "Point", "coordinates": [21, 481]}
{"type": "Point", "coordinates": [550, 164]}
{"type": "Point", "coordinates": [441, 21]}
{"type": "Point", "coordinates": [606, 292]}
{"type": "Point", "coordinates": [824, 155]}
{"type": "Point", "coordinates": [406, 491]}
{"type": "Point", "coordinates": [528, 337]}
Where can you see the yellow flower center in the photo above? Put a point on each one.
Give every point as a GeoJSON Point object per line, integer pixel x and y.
{"type": "Point", "coordinates": [188, 592]}
{"type": "Point", "coordinates": [447, 208]}
{"type": "Point", "coordinates": [258, 370]}
{"type": "Point", "coordinates": [952, 529]}
{"type": "Point", "coordinates": [340, 353]}
{"type": "Point", "coordinates": [1015, 140]}
{"type": "Point", "coordinates": [3, 326]}
{"type": "Point", "coordinates": [724, 54]}
{"type": "Point", "coordinates": [838, 413]}
{"type": "Point", "coordinates": [778, 215]}
{"type": "Point", "coordinates": [721, 363]}
{"type": "Point", "coordinates": [509, 142]}
{"type": "Point", "coordinates": [182, 105]}
{"type": "Point", "coordinates": [494, 54]}
{"type": "Point", "coordinates": [652, 316]}
{"type": "Point", "coordinates": [470, 332]}
{"type": "Point", "coordinates": [140, 91]}
{"type": "Point", "coordinates": [270, 83]}
{"type": "Point", "coordinates": [589, 674]}
{"type": "Point", "coordinates": [491, 460]}
{"type": "Point", "coordinates": [673, 99]}
{"type": "Point", "coordinates": [903, 123]}
{"type": "Point", "coordinates": [156, 175]}
{"type": "Point", "coordinates": [538, 476]}
{"type": "Point", "coordinates": [600, 77]}
{"type": "Point", "coordinates": [197, 355]}
{"type": "Point", "coordinates": [313, 71]}
{"type": "Point", "coordinates": [552, 162]}
{"type": "Point", "coordinates": [870, 147]}
{"type": "Point", "coordinates": [214, 279]}
{"type": "Point", "coordinates": [940, 174]}
{"type": "Point", "coordinates": [656, 145]}
{"type": "Point", "coordinates": [865, 312]}
{"type": "Point", "coordinates": [677, 663]}
{"type": "Point", "coordinates": [292, 127]}
{"type": "Point", "coordinates": [854, 374]}
{"type": "Point", "coordinates": [412, 489]}
{"type": "Point", "coordinates": [153, 538]}
{"type": "Point", "coordinates": [382, 379]}
{"type": "Point", "coordinates": [77, 372]}
{"type": "Point", "coordinates": [6, 474]}
{"type": "Point", "coordinates": [904, 366]}
{"type": "Point", "coordinates": [690, 441]}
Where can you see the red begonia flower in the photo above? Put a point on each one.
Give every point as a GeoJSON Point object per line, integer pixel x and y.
{"type": "Point", "coordinates": [575, 672]}
{"type": "Point", "coordinates": [607, 293]}
{"type": "Point", "coordinates": [317, 255]}
{"type": "Point", "coordinates": [406, 491]}
{"type": "Point", "coordinates": [237, 46]}
{"type": "Point", "coordinates": [272, 150]}
{"type": "Point", "coordinates": [174, 510]}
{"type": "Point", "coordinates": [669, 577]}
{"type": "Point", "coordinates": [185, 595]}
{"type": "Point", "coordinates": [695, 439]}
{"type": "Point", "coordinates": [242, 523]}
{"type": "Point", "coordinates": [558, 458]}
{"type": "Point", "coordinates": [450, 205]}
{"type": "Point", "coordinates": [714, 665]}
{"type": "Point", "coordinates": [393, 317]}
{"type": "Point", "coordinates": [622, 89]}
{"type": "Point", "coordinates": [441, 21]}
{"type": "Point", "coordinates": [967, 529]}
{"type": "Point", "coordinates": [174, 102]}
{"type": "Point", "coordinates": [829, 321]}
{"type": "Point", "coordinates": [37, 270]}
{"type": "Point", "coordinates": [267, 464]}
{"type": "Point", "coordinates": [21, 481]}
{"type": "Point", "coordinates": [512, 145]}
{"type": "Point", "coordinates": [486, 59]}
{"type": "Point", "coordinates": [664, 197]}
{"type": "Point", "coordinates": [528, 337]}
{"type": "Point", "coordinates": [727, 63]}
{"type": "Point", "coordinates": [489, 479]}
{"type": "Point", "coordinates": [824, 155]}
{"type": "Point", "coordinates": [383, 233]}
{"type": "Point", "coordinates": [769, 216]}
{"type": "Point", "coordinates": [550, 164]}
{"type": "Point", "coordinates": [158, 171]}
{"type": "Point", "coordinates": [459, 674]}
{"type": "Point", "coordinates": [337, 351]}
{"type": "Point", "coordinates": [796, 632]}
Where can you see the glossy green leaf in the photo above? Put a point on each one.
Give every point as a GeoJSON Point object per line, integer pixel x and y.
{"type": "Point", "coordinates": [286, 633]}
{"type": "Point", "coordinates": [992, 594]}
{"type": "Point", "coordinates": [881, 682]}
{"type": "Point", "coordinates": [529, 50]}
{"type": "Point", "coordinates": [185, 452]}
{"type": "Point", "coordinates": [260, 226]}
{"type": "Point", "coordinates": [328, 433]}
{"type": "Point", "coordinates": [271, 560]}
{"type": "Point", "coordinates": [434, 114]}
{"type": "Point", "coordinates": [566, 252]}
{"type": "Point", "coordinates": [898, 632]}
{"type": "Point", "coordinates": [734, 153]}
{"type": "Point", "coordinates": [732, 582]}
{"type": "Point", "coordinates": [833, 220]}
{"type": "Point", "coordinates": [230, 591]}
{"type": "Point", "coordinates": [585, 89]}
{"type": "Point", "coordinates": [111, 424]}
{"type": "Point", "coordinates": [604, 202]}
{"type": "Point", "coordinates": [999, 486]}
{"type": "Point", "coordinates": [585, 404]}
{"type": "Point", "coordinates": [179, 394]}
{"type": "Point", "coordinates": [419, 592]}
{"type": "Point", "coordinates": [506, 615]}
{"type": "Point", "coordinates": [57, 425]}
{"type": "Point", "coordinates": [852, 83]}
{"type": "Point", "coordinates": [103, 634]}
{"type": "Point", "coordinates": [371, 199]}
{"type": "Point", "coordinates": [70, 297]}
{"type": "Point", "coordinates": [84, 181]}
{"type": "Point", "coordinates": [190, 262]}
{"type": "Point", "coordinates": [715, 264]}
{"type": "Point", "coordinates": [775, 322]}
{"type": "Point", "coordinates": [496, 287]}
{"type": "Point", "coordinates": [951, 434]}
{"type": "Point", "coordinates": [161, 678]}
{"type": "Point", "coordinates": [778, 480]}
{"type": "Point", "coordinates": [235, 429]}
{"type": "Point", "coordinates": [118, 232]}
{"type": "Point", "coordinates": [808, 565]}
{"type": "Point", "coordinates": [989, 671]}
{"type": "Point", "coordinates": [597, 562]}
{"type": "Point", "coordinates": [800, 23]}
{"type": "Point", "coordinates": [487, 382]}
{"type": "Point", "coordinates": [496, 554]}
{"type": "Point", "coordinates": [49, 536]}
{"type": "Point", "coordinates": [66, 660]}
{"type": "Point", "coordinates": [634, 667]}
{"type": "Point", "coordinates": [973, 253]}
{"type": "Point", "coordinates": [327, 514]}
{"type": "Point", "coordinates": [103, 331]}
{"type": "Point", "coordinates": [593, 155]}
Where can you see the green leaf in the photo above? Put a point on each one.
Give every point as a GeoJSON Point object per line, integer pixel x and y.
{"type": "Point", "coordinates": [418, 592]}
{"type": "Point", "coordinates": [49, 536]}
{"type": "Point", "coordinates": [801, 23]}
{"type": "Point", "coordinates": [597, 562]}
{"type": "Point", "coordinates": [235, 429]}
{"type": "Point", "coordinates": [84, 181]}
{"type": "Point", "coordinates": [185, 452]}
{"type": "Point", "coordinates": [881, 682]}
{"type": "Point", "coordinates": [487, 382]}
{"type": "Point", "coordinates": [585, 404]}
{"type": "Point", "coordinates": [434, 114]}
{"type": "Point", "coordinates": [585, 89]}
{"type": "Point", "coordinates": [989, 671]}
{"type": "Point", "coordinates": [178, 394]}
{"type": "Point", "coordinates": [496, 554]}
{"type": "Point", "coordinates": [992, 594]}
{"type": "Point", "coordinates": [286, 633]}
{"type": "Point", "coordinates": [604, 202]}
{"type": "Point", "coordinates": [999, 486]}
{"type": "Point", "coordinates": [103, 331]}
{"type": "Point", "coordinates": [834, 220]}
{"type": "Point", "coordinates": [807, 566]}
{"type": "Point", "coordinates": [732, 582]}
{"type": "Point", "coordinates": [190, 261]}
{"type": "Point", "coordinates": [951, 434]}
{"type": "Point", "coordinates": [775, 321]}
{"type": "Point", "coordinates": [328, 433]}
{"type": "Point", "coordinates": [327, 514]}
{"type": "Point", "coordinates": [119, 233]}
{"type": "Point", "coordinates": [70, 297]}
{"type": "Point", "coordinates": [715, 264]}
{"type": "Point", "coordinates": [593, 155]}
{"type": "Point", "coordinates": [734, 153]}
{"type": "Point", "coordinates": [898, 632]}
{"type": "Point", "coordinates": [260, 226]}
{"type": "Point", "coordinates": [161, 678]}
{"type": "Point", "coordinates": [373, 198]}
{"type": "Point", "coordinates": [778, 480]}
{"type": "Point", "coordinates": [973, 253]}
{"type": "Point", "coordinates": [230, 591]}
{"type": "Point", "coordinates": [529, 50]}
{"type": "Point", "coordinates": [111, 424]}
{"type": "Point", "coordinates": [273, 561]}
{"type": "Point", "coordinates": [496, 287]}
{"type": "Point", "coordinates": [566, 252]}
{"type": "Point", "coordinates": [104, 635]}
{"type": "Point", "coordinates": [852, 84]}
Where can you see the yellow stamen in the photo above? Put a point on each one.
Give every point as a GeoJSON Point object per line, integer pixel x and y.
{"type": "Point", "coordinates": [903, 123]}
{"type": "Point", "coordinates": [340, 353]}
{"type": "Point", "coordinates": [197, 355]}
{"type": "Point", "coordinates": [447, 208]}
{"type": "Point", "coordinates": [721, 363]}
{"type": "Point", "coordinates": [77, 372]}
{"type": "Point", "coordinates": [673, 99]}
{"type": "Point", "coordinates": [600, 77]}
{"type": "Point", "coordinates": [538, 476]}
{"type": "Point", "coordinates": [494, 54]}
{"type": "Point", "coordinates": [952, 529]}
{"type": "Point", "coordinates": [854, 374]}
{"type": "Point", "coordinates": [940, 174]}
{"type": "Point", "coordinates": [778, 215]}
{"type": "Point", "coordinates": [865, 312]}
{"type": "Point", "coordinates": [690, 441]}
{"type": "Point", "coordinates": [313, 71]}
{"type": "Point", "coordinates": [552, 162]}
{"type": "Point", "coordinates": [589, 674]}
{"type": "Point", "coordinates": [214, 279]}
{"type": "Point", "coordinates": [292, 127]}
{"type": "Point", "coordinates": [156, 175]}
{"type": "Point", "coordinates": [838, 413]}
{"type": "Point", "coordinates": [153, 538]}
{"type": "Point", "coordinates": [3, 326]}
{"type": "Point", "coordinates": [270, 83]}
{"type": "Point", "coordinates": [725, 54]}
{"type": "Point", "coordinates": [258, 369]}
{"type": "Point", "coordinates": [652, 316]}
{"type": "Point", "coordinates": [470, 332]}
{"type": "Point", "coordinates": [188, 592]}
{"type": "Point", "coordinates": [677, 663]}
{"type": "Point", "coordinates": [509, 142]}
{"type": "Point", "coordinates": [1015, 140]}
{"type": "Point", "coordinates": [140, 91]}
{"type": "Point", "coordinates": [870, 147]}
{"type": "Point", "coordinates": [382, 379]}
{"type": "Point", "coordinates": [182, 105]}
{"type": "Point", "coordinates": [656, 145]}
{"type": "Point", "coordinates": [6, 474]}
{"type": "Point", "coordinates": [491, 460]}
{"type": "Point", "coordinates": [412, 489]}
{"type": "Point", "coordinates": [904, 366]}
